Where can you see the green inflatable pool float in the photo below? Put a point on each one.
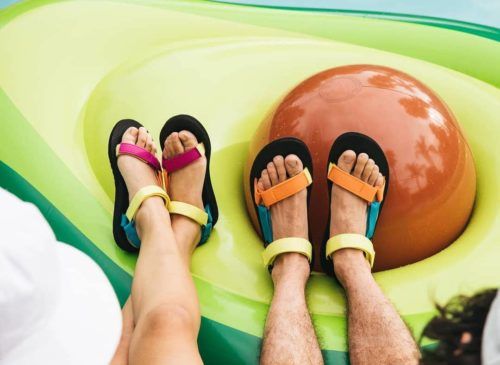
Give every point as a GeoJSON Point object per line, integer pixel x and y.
{"type": "Point", "coordinates": [70, 69]}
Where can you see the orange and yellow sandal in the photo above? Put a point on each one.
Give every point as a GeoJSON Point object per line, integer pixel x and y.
{"type": "Point", "coordinates": [263, 200]}
{"type": "Point", "coordinates": [374, 197]}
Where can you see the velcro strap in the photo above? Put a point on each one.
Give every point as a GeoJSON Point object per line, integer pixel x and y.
{"type": "Point", "coordinates": [187, 210]}
{"type": "Point", "coordinates": [354, 185]}
{"type": "Point", "coordinates": [143, 194]}
{"type": "Point", "coordinates": [283, 245]}
{"type": "Point", "coordinates": [139, 153]}
{"type": "Point", "coordinates": [351, 240]}
{"type": "Point", "coordinates": [179, 161]}
{"type": "Point", "coordinates": [283, 190]}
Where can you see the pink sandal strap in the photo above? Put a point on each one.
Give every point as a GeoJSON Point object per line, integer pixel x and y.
{"type": "Point", "coordinates": [140, 153]}
{"type": "Point", "coordinates": [179, 161]}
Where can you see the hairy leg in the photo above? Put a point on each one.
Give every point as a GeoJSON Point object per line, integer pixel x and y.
{"type": "Point", "coordinates": [377, 334]}
{"type": "Point", "coordinates": [164, 301]}
{"type": "Point", "coordinates": [289, 336]}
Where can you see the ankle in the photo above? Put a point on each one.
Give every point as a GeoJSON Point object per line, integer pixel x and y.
{"type": "Point", "coordinates": [151, 213]}
{"type": "Point", "coordinates": [291, 267]}
{"type": "Point", "coordinates": [187, 234]}
{"type": "Point", "coordinates": [350, 265]}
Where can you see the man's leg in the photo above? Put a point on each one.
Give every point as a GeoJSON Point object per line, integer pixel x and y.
{"type": "Point", "coordinates": [377, 334]}
{"type": "Point", "coordinates": [289, 336]}
{"type": "Point", "coordinates": [165, 306]}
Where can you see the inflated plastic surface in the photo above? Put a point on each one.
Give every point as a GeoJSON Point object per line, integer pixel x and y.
{"type": "Point", "coordinates": [70, 69]}
{"type": "Point", "coordinates": [433, 181]}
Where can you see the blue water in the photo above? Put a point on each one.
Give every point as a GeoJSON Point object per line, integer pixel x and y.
{"type": "Point", "coordinates": [485, 12]}
{"type": "Point", "coordinates": [5, 3]}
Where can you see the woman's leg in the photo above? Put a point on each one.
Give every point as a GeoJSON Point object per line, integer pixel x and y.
{"type": "Point", "coordinates": [121, 354]}
{"type": "Point", "coordinates": [165, 306]}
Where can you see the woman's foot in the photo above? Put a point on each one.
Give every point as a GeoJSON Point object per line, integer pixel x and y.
{"type": "Point", "coordinates": [348, 212]}
{"type": "Point", "coordinates": [138, 174]}
{"type": "Point", "coordinates": [289, 216]}
{"type": "Point", "coordinates": [185, 185]}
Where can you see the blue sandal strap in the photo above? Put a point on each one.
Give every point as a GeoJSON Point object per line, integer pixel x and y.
{"type": "Point", "coordinates": [130, 231]}
{"type": "Point", "coordinates": [265, 223]}
{"type": "Point", "coordinates": [372, 219]}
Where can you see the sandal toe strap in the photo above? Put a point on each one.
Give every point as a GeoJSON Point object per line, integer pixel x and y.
{"type": "Point", "coordinates": [140, 153]}
{"type": "Point", "coordinates": [283, 190]}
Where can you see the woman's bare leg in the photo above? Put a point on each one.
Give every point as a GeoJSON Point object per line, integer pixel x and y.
{"type": "Point", "coordinates": [121, 354]}
{"type": "Point", "coordinates": [165, 306]}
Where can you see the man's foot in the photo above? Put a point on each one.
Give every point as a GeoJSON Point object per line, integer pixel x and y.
{"type": "Point", "coordinates": [185, 185]}
{"type": "Point", "coordinates": [348, 212]}
{"type": "Point", "coordinates": [289, 216]}
{"type": "Point", "coordinates": [138, 174]}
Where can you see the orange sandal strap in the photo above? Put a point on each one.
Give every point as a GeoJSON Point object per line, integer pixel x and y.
{"type": "Point", "coordinates": [283, 190]}
{"type": "Point", "coordinates": [354, 185]}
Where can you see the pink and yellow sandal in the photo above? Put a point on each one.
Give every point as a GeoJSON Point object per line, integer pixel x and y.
{"type": "Point", "coordinates": [208, 217]}
{"type": "Point", "coordinates": [124, 213]}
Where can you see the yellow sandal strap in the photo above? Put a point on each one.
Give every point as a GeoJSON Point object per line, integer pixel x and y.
{"type": "Point", "coordinates": [289, 244]}
{"type": "Point", "coordinates": [196, 214]}
{"type": "Point", "coordinates": [142, 195]}
{"type": "Point", "coordinates": [351, 240]}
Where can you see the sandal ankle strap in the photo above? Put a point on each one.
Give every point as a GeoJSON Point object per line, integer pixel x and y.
{"type": "Point", "coordinates": [284, 245]}
{"type": "Point", "coordinates": [143, 194]}
{"type": "Point", "coordinates": [351, 240]}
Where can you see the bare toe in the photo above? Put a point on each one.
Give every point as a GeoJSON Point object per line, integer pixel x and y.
{"type": "Point", "coordinates": [149, 143]}
{"type": "Point", "coordinates": [374, 175]}
{"type": "Point", "coordinates": [360, 165]}
{"type": "Point", "coordinates": [142, 138]}
{"type": "Point", "coordinates": [367, 171]}
{"type": "Point", "coordinates": [177, 147]}
{"type": "Point", "coordinates": [260, 184]}
{"type": "Point", "coordinates": [279, 163]}
{"type": "Point", "coordinates": [273, 174]}
{"type": "Point", "coordinates": [265, 179]}
{"type": "Point", "coordinates": [168, 147]}
{"type": "Point", "coordinates": [130, 135]}
{"type": "Point", "coordinates": [293, 165]}
{"type": "Point", "coordinates": [346, 160]}
{"type": "Point", "coordinates": [188, 140]}
{"type": "Point", "coordinates": [380, 180]}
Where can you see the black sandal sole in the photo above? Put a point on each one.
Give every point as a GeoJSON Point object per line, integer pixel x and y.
{"type": "Point", "coordinates": [121, 192]}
